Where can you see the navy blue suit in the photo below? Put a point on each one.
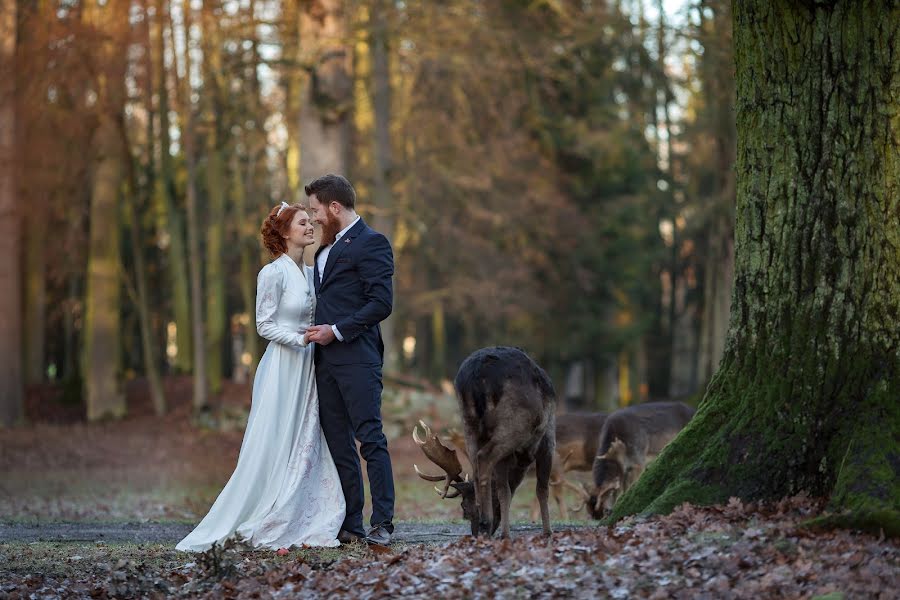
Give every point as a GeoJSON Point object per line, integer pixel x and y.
{"type": "Point", "coordinates": [355, 293]}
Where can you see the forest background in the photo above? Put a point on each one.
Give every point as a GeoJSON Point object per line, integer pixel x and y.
{"type": "Point", "coordinates": [556, 175]}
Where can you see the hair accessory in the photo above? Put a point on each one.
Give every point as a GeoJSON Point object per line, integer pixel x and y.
{"type": "Point", "coordinates": [283, 206]}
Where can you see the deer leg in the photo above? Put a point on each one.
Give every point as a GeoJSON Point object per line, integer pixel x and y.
{"type": "Point", "coordinates": [556, 487]}
{"type": "Point", "coordinates": [543, 467]}
{"type": "Point", "coordinates": [504, 495]}
{"type": "Point", "coordinates": [535, 509]}
{"type": "Point", "coordinates": [485, 461]}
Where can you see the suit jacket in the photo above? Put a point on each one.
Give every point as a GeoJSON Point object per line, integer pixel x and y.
{"type": "Point", "coordinates": [355, 293]}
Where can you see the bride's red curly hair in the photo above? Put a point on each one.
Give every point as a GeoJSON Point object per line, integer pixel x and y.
{"type": "Point", "coordinates": [276, 226]}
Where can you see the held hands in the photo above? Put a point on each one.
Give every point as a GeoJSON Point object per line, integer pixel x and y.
{"type": "Point", "coordinates": [320, 334]}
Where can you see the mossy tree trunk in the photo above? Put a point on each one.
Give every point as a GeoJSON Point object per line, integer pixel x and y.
{"type": "Point", "coordinates": [806, 396]}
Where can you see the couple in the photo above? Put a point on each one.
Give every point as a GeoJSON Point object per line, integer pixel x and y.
{"type": "Point", "coordinates": [317, 388]}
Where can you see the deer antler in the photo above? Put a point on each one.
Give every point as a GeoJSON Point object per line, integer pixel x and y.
{"type": "Point", "coordinates": [582, 491]}
{"type": "Point", "coordinates": [440, 455]}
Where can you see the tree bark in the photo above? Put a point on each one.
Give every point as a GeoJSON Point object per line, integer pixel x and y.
{"type": "Point", "coordinates": [170, 217]}
{"type": "Point", "coordinates": [806, 396]}
{"type": "Point", "coordinates": [383, 155]}
{"type": "Point", "coordinates": [327, 97]}
{"type": "Point", "coordinates": [11, 372]}
{"type": "Point", "coordinates": [200, 393]}
{"type": "Point", "coordinates": [138, 288]}
{"type": "Point", "coordinates": [35, 281]}
{"type": "Point", "coordinates": [101, 343]}
{"type": "Point", "coordinates": [216, 320]}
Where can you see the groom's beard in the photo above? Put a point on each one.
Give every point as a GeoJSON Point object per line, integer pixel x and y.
{"type": "Point", "coordinates": [330, 228]}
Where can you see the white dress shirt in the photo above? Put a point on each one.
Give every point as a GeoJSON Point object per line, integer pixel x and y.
{"type": "Point", "coordinates": [322, 259]}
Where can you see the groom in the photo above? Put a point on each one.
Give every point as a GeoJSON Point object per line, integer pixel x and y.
{"type": "Point", "coordinates": [354, 292]}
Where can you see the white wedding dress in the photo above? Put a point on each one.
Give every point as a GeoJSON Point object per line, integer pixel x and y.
{"type": "Point", "coordinates": [285, 489]}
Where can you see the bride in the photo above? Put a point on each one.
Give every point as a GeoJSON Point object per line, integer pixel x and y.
{"type": "Point", "coordinates": [285, 489]}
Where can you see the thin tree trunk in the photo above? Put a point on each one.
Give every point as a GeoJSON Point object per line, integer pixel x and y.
{"type": "Point", "coordinates": [138, 290]}
{"type": "Point", "coordinates": [35, 298]}
{"type": "Point", "coordinates": [717, 83]}
{"type": "Point", "coordinates": [216, 321]}
{"type": "Point", "coordinates": [140, 299]}
{"type": "Point", "coordinates": [248, 277]}
{"type": "Point", "coordinates": [11, 372]}
{"type": "Point", "coordinates": [383, 156]}
{"type": "Point", "coordinates": [200, 395]}
{"type": "Point", "coordinates": [806, 396]}
{"type": "Point", "coordinates": [170, 217]}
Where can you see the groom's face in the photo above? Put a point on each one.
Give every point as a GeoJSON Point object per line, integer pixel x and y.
{"type": "Point", "coordinates": [323, 217]}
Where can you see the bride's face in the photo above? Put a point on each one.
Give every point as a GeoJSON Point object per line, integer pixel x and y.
{"type": "Point", "coordinates": [301, 231]}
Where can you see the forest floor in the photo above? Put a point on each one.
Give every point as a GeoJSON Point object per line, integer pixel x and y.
{"type": "Point", "coordinates": [94, 510]}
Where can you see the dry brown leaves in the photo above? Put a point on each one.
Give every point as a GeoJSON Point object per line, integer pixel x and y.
{"type": "Point", "coordinates": [733, 551]}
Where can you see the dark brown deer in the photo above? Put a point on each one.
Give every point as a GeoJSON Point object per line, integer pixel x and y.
{"type": "Point", "coordinates": [507, 405]}
{"type": "Point", "coordinates": [631, 438]}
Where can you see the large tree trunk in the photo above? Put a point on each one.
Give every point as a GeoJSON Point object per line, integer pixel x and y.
{"type": "Point", "coordinates": [100, 360]}
{"type": "Point", "coordinates": [806, 396]}
{"type": "Point", "coordinates": [292, 77]}
{"type": "Point", "coordinates": [11, 375]}
{"type": "Point", "coordinates": [327, 97]}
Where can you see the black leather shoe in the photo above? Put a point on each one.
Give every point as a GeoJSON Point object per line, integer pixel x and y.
{"type": "Point", "coordinates": [380, 535]}
{"type": "Point", "coordinates": [346, 537]}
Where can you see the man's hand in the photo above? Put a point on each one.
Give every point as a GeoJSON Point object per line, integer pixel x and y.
{"type": "Point", "coordinates": [321, 334]}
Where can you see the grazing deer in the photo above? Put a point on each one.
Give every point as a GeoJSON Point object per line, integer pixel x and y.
{"type": "Point", "coordinates": [577, 435]}
{"type": "Point", "coordinates": [507, 404]}
{"type": "Point", "coordinates": [631, 438]}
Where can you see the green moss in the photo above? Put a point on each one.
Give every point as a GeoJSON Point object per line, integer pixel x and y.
{"type": "Point", "coordinates": [878, 522]}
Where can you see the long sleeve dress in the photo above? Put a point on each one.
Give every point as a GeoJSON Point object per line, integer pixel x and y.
{"type": "Point", "coordinates": [285, 489]}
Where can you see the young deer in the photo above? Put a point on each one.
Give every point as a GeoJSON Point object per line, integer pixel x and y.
{"type": "Point", "coordinates": [631, 438]}
{"type": "Point", "coordinates": [577, 435]}
{"type": "Point", "coordinates": [507, 404]}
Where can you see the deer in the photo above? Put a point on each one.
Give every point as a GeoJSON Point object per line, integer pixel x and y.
{"type": "Point", "coordinates": [577, 435]}
{"type": "Point", "coordinates": [507, 403]}
{"type": "Point", "coordinates": [630, 438]}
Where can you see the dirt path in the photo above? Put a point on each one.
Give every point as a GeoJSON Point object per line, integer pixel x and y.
{"type": "Point", "coordinates": [161, 533]}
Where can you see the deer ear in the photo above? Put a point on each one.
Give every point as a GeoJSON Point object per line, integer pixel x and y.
{"type": "Point", "coordinates": [617, 448]}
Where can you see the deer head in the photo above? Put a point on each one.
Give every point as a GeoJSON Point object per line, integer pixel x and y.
{"type": "Point", "coordinates": [453, 477]}
{"type": "Point", "coordinates": [609, 480]}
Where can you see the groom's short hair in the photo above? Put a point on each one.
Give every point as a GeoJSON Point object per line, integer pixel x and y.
{"type": "Point", "coordinates": [332, 188]}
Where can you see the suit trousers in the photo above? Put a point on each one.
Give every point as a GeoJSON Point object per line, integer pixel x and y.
{"type": "Point", "coordinates": [349, 410]}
